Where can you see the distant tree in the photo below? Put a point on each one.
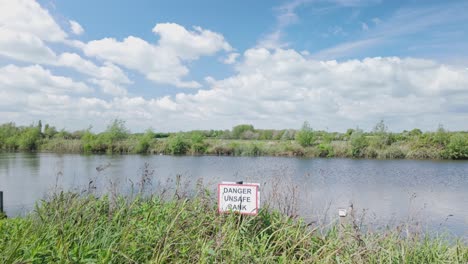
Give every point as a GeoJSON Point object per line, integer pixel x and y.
{"type": "Point", "coordinates": [144, 141]}
{"type": "Point", "coordinates": [39, 126]}
{"type": "Point", "coordinates": [177, 144]}
{"type": "Point", "coordinates": [49, 131]}
{"type": "Point", "coordinates": [117, 130]}
{"type": "Point", "coordinates": [381, 136]}
{"type": "Point", "coordinates": [415, 132]}
{"type": "Point", "coordinates": [29, 137]}
{"type": "Point", "coordinates": [358, 142]}
{"type": "Point", "coordinates": [305, 137]}
{"type": "Point", "coordinates": [238, 130]}
{"type": "Point", "coordinates": [198, 145]}
{"type": "Point", "coordinates": [441, 137]}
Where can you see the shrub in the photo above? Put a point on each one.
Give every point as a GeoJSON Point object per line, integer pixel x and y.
{"type": "Point", "coordinates": [177, 144]}
{"type": "Point", "coordinates": [305, 137]}
{"type": "Point", "coordinates": [29, 138]}
{"type": "Point", "coordinates": [238, 130]}
{"type": "Point", "coordinates": [326, 150]}
{"type": "Point", "coordinates": [198, 143]}
{"type": "Point", "coordinates": [358, 142]}
{"type": "Point", "coordinates": [457, 148]}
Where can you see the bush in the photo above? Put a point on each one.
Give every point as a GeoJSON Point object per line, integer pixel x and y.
{"type": "Point", "coordinates": [457, 148]}
{"type": "Point", "coordinates": [305, 137]}
{"type": "Point", "coordinates": [238, 130]}
{"type": "Point", "coordinates": [198, 143]}
{"type": "Point", "coordinates": [358, 142]}
{"type": "Point", "coordinates": [177, 144]}
{"type": "Point", "coordinates": [144, 142]}
{"type": "Point", "coordinates": [29, 138]}
{"type": "Point", "coordinates": [326, 150]}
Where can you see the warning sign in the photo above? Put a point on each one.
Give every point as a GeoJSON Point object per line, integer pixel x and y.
{"type": "Point", "coordinates": [242, 198]}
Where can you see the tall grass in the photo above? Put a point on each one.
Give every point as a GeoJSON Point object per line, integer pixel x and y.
{"type": "Point", "coordinates": [70, 228]}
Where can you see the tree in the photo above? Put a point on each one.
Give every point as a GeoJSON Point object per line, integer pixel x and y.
{"type": "Point", "coordinates": [49, 131]}
{"type": "Point", "coordinates": [177, 144]}
{"type": "Point", "coordinates": [305, 137]}
{"type": "Point", "coordinates": [117, 130]}
{"type": "Point", "coordinates": [358, 143]}
{"type": "Point", "coordinates": [238, 130]}
{"type": "Point", "coordinates": [29, 138]}
{"type": "Point", "coordinates": [381, 136]}
{"type": "Point", "coordinates": [198, 143]}
{"type": "Point", "coordinates": [144, 141]}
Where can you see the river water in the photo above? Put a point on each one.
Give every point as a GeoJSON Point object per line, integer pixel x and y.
{"type": "Point", "coordinates": [430, 195]}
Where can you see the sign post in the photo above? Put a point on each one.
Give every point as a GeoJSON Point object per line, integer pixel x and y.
{"type": "Point", "coordinates": [241, 198]}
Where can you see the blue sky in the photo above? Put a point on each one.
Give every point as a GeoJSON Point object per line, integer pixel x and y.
{"type": "Point", "coordinates": [182, 65]}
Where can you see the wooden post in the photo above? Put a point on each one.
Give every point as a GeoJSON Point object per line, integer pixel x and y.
{"type": "Point", "coordinates": [1, 202]}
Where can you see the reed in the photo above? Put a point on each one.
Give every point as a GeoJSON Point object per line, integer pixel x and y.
{"type": "Point", "coordinates": [73, 228]}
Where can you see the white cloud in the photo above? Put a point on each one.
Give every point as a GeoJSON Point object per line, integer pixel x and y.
{"type": "Point", "coordinates": [281, 88]}
{"type": "Point", "coordinates": [164, 62]}
{"type": "Point", "coordinates": [76, 28]}
{"type": "Point", "coordinates": [107, 72]}
{"type": "Point", "coordinates": [231, 58]}
{"type": "Point", "coordinates": [109, 87]}
{"type": "Point", "coordinates": [189, 44]}
{"type": "Point", "coordinates": [276, 89]}
{"type": "Point", "coordinates": [24, 46]}
{"type": "Point", "coordinates": [29, 17]}
{"type": "Point", "coordinates": [36, 79]}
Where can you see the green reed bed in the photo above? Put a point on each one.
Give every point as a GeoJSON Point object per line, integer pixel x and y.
{"type": "Point", "coordinates": [70, 228]}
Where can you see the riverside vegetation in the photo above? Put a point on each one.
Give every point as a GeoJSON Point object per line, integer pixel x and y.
{"type": "Point", "coordinates": [242, 140]}
{"type": "Point", "coordinates": [74, 228]}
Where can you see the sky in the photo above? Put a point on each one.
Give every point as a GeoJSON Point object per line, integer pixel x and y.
{"type": "Point", "coordinates": [184, 65]}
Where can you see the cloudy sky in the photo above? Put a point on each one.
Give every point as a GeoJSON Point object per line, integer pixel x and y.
{"type": "Point", "coordinates": [182, 65]}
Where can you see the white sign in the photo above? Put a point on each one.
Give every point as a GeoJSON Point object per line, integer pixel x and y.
{"type": "Point", "coordinates": [242, 198]}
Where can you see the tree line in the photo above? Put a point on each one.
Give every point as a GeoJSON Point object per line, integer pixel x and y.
{"type": "Point", "coordinates": [242, 139]}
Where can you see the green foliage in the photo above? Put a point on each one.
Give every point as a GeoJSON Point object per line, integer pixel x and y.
{"type": "Point", "coordinates": [265, 134]}
{"type": "Point", "coordinates": [457, 147]}
{"type": "Point", "coordinates": [305, 137]}
{"type": "Point", "coordinates": [29, 138]}
{"type": "Point", "coordinates": [177, 144]}
{"type": "Point", "coordinates": [378, 143]}
{"type": "Point", "coordinates": [326, 150]}
{"type": "Point", "coordinates": [145, 141]}
{"type": "Point", "coordinates": [49, 131]}
{"type": "Point", "coordinates": [198, 145]}
{"type": "Point", "coordinates": [359, 143]}
{"type": "Point", "coordinates": [381, 138]}
{"type": "Point", "coordinates": [116, 131]}
{"type": "Point", "coordinates": [239, 130]}
{"type": "Point", "coordinates": [441, 137]}
{"type": "Point", "coordinates": [89, 141]}
{"type": "Point", "coordinates": [415, 132]}
{"type": "Point", "coordinates": [73, 229]}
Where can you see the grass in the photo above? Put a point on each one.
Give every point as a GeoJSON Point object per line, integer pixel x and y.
{"type": "Point", "coordinates": [72, 228]}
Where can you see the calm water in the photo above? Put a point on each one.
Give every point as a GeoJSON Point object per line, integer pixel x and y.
{"type": "Point", "coordinates": [386, 192]}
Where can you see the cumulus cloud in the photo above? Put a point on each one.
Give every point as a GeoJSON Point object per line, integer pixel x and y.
{"type": "Point", "coordinates": [25, 29]}
{"type": "Point", "coordinates": [76, 28]}
{"type": "Point", "coordinates": [231, 58]}
{"type": "Point", "coordinates": [24, 46]}
{"type": "Point", "coordinates": [281, 88]}
{"type": "Point", "coordinates": [162, 62]}
{"type": "Point", "coordinates": [28, 16]}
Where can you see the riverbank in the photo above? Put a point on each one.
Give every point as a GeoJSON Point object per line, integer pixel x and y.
{"type": "Point", "coordinates": [242, 140]}
{"type": "Point", "coordinates": [73, 228]}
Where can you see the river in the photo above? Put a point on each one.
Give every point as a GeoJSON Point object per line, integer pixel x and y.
{"type": "Point", "coordinates": [431, 195]}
